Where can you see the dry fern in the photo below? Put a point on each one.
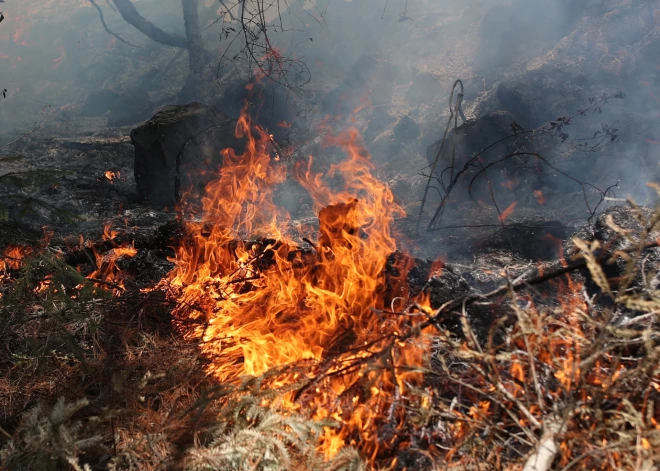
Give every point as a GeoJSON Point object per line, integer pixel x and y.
{"type": "Point", "coordinates": [252, 437]}
{"type": "Point", "coordinates": [46, 439]}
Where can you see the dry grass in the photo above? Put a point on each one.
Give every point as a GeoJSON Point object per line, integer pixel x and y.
{"type": "Point", "coordinates": [570, 382]}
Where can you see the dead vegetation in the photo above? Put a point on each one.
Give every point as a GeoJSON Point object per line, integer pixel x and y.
{"type": "Point", "coordinates": [567, 378]}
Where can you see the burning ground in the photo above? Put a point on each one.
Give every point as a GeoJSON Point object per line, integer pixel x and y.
{"type": "Point", "coordinates": [350, 282]}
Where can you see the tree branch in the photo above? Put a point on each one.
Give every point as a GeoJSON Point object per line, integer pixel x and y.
{"type": "Point", "coordinates": [133, 17]}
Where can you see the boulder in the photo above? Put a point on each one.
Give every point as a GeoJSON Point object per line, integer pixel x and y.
{"type": "Point", "coordinates": [178, 150]}
{"type": "Point", "coordinates": [472, 138]}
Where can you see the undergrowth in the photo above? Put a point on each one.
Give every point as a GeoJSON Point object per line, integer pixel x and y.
{"type": "Point", "coordinates": [92, 381]}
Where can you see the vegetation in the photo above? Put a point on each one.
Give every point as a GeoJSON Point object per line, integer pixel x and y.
{"type": "Point", "coordinates": [572, 381]}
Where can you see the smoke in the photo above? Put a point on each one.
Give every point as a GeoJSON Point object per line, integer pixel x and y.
{"type": "Point", "coordinates": [378, 65]}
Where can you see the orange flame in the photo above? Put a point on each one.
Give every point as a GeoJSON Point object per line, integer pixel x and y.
{"type": "Point", "coordinates": [269, 304]}
{"type": "Point", "coordinates": [107, 274]}
{"type": "Point", "coordinates": [11, 259]}
{"type": "Point", "coordinates": [365, 102]}
{"type": "Point", "coordinates": [112, 176]}
{"type": "Point", "coordinates": [508, 211]}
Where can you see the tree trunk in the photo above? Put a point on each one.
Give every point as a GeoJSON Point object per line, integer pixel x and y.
{"type": "Point", "coordinates": [193, 35]}
{"type": "Point", "coordinates": [132, 17]}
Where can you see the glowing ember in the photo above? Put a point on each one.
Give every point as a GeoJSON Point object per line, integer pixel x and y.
{"type": "Point", "coordinates": [112, 176]}
{"type": "Point", "coordinates": [266, 305]}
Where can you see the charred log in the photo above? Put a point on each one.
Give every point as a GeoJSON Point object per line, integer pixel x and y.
{"type": "Point", "coordinates": [180, 144]}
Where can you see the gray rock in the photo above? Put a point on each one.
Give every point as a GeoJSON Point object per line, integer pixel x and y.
{"type": "Point", "coordinates": [472, 138]}
{"type": "Point", "coordinates": [179, 147]}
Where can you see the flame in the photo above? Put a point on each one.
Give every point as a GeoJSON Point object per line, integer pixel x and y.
{"type": "Point", "coordinates": [365, 102]}
{"type": "Point", "coordinates": [508, 211]}
{"type": "Point", "coordinates": [107, 274]}
{"type": "Point", "coordinates": [112, 176]}
{"type": "Point", "coordinates": [267, 304]}
{"type": "Point", "coordinates": [19, 29]}
{"type": "Point", "coordinates": [11, 259]}
{"type": "Point", "coordinates": [540, 198]}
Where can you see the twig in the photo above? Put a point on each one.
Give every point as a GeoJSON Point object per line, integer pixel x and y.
{"type": "Point", "coordinates": [434, 165]}
{"type": "Point", "coordinates": [5, 433]}
{"type": "Point", "coordinates": [26, 134]}
{"type": "Point", "coordinates": [105, 26]}
{"type": "Point", "coordinates": [231, 15]}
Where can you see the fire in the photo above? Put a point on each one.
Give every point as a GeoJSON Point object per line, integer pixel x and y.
{"type": "Point", "coordinates": [508, 211]}
{"type": "Point", "coordinates": [509, 182]}
{"type": "Point", "coordinates": [268, 304]}
{"type": "Point", "coordinates": [112, 176]}
{"type": "Point", "coordinates": [11, 259]}
{"type": "Point", "coordinates": [19, 30]}
{"type": "Point", "coordinates": [365, 102]}
{"type": "Point", "coordinates": [540, 198]}
{"type": "Point", "coordinates": [107, 274]}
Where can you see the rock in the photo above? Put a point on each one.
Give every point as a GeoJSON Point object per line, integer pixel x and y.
{"type": "Point", "coordinates": [179, 147]}
{"type": "Point", "coordinates": [536, 240]}
{"type": "Point", "coordinates": [536, 99]}
{"type": "Point", "coordinates": [470, 139]}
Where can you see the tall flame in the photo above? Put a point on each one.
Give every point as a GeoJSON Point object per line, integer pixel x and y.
{"type": "Point", "coordinates": [266, 304]}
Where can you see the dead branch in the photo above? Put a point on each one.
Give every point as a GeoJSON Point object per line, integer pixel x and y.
{"type": "Point", "coordinates": [130, 14]}
{"type": "Point", "coordinates": [453, 114]}
{"type": "Point", "coordinates": [105, 26]}
{"type": "Point", "coordinates": [554, 129]}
